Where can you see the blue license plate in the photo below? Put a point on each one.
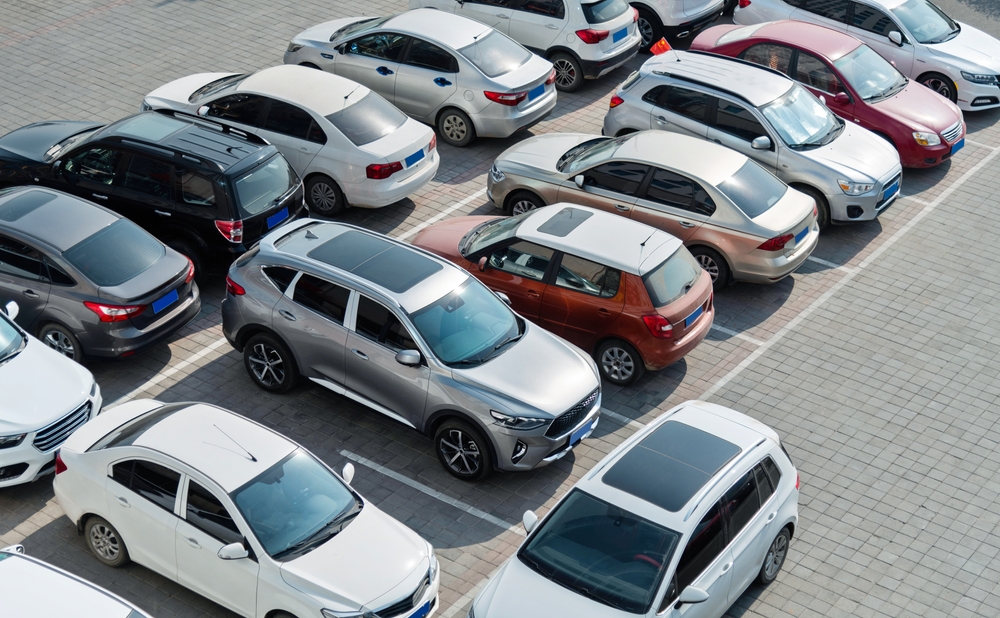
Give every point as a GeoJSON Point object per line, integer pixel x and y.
{"type": "Point", "coordinates": [165, 301]}
{"type": "Point", "coordinates": [423, 611]}
{"type": "Point", "coordinates": [413, 158]}
{"type": "Point", "coordinates": [890, 190]}
{"type": "Point", "coordinates": [577, 435]}
{"type": "Point", "coordinates": [536, 92]}
{"type": "Point", "coordinates": [277, 217]}
{"type": "Point", "coordinates": [691, 319]}
{"type": "Point", "coordinates": [801, 235]}
{"type": "Point", "coordinates": [958, 146]}
{"type": "Point", "coordinates": [621, 34]}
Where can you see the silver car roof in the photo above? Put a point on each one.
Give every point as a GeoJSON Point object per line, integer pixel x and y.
{"type": "Point", "coordinates": [447, 29]}
{"type": "Point", "coordinates": [33, 211]}
{"type": "Point", "coordinates": [756, 85]}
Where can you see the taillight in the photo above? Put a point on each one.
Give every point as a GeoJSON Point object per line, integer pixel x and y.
{"type": "Point", "coordinates": [114, 313]}
{"type": "Point", "coordinates": [232, 230]}
{"type": "Point", "coordinates": [234, 288]}
{"type": "Point", "coordinates": [635, 15]}
{"type": "Point", "coordinates": [744, 4]}
{"type": "Point", "coordinates": [815, 211]}
{"type": "Point", "coordinates": [506, 98]}
{"type": "Point", "coordinates": [434, 143]}
{"type": "Point", "coordinates": [658, 326]}
{"type": "Point", "coordinates": [777, 243]}
{"type": "Point", "coordinates": [591, 36]}
{"type": "Point", "coordinates": [551, 78]}
{"type": "Point", "coordinates": [616, 101]}
{"type": "Point", "coordinates": [711, 300]}
{"type": "Point", "coordinates": [190, 274]}
{"type": "Point", "coordinates": [60, 466]}
{"type": "Point", "coordinates": [381, 171]}
{"type": "Point", "coordinates": [796, 473]}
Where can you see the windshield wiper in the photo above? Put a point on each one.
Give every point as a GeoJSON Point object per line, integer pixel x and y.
{"type": "Point", "coordinates": [510, 339]}
{"type": "Point", "coordinates": [324, 534]}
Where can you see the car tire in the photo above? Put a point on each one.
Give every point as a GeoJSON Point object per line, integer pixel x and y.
{"type": "Point", "coordinates": [463, 451]}
{"type": "Point", "coordinates": [456, 128]}
{"type": "Point", "coordinates": [60, 339]}
{"type": "Point", "coordinates": [569, 73]}
{"type": "Point", "coordinates": [521, 202]}
{"type": "Point", "coordinates": [822, 206]}
{"type": "Point", "coordinates": [187, 250]}
{"type": "Point", "coordinates": [650, 28]}
{"type": "Point", "coordinates": [941, 84]}
{"type": "Point", "coordinates": [269, 363]}
{"type": "Point", "coordinates": [105, 542]}
{"type": "Point", "coordinates": [775, 557]}
{"type": "Point", "coordinates": [324, 197]}
{"type": "Point", "coordinates": [714, 264]}
{"type": "Point", "coordinates": [620, 363]}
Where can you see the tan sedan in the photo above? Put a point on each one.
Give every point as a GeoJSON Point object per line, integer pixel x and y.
{"type": "Point", "coordinates": [739, 220]}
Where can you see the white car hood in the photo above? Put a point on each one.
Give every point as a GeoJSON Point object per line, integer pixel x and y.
{"type": "Point", "coordinates": [374, 561]}
{"type": "Point", "coordinates": [175, 94]}
{"type": "Point", "coordinates": [39, 386]}
{"type": "Point", "coordinates": [972, 50]}
{"type": "Point", "coordinates": [857, 150]}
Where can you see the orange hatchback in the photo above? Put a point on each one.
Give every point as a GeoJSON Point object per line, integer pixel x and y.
{"type": "Point", "coordinates": [630, 294]}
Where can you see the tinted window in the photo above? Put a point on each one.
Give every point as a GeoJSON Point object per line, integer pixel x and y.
{"type": "Point", "coordinates": [377, 323]}
{"type": "Point", "coordinates": [670, 280]}
{"type": "Point", "coordinates": [831, 9]}
{"type": "Point", "coordinates": [763, 484]}
{"type": "Point", "coordinates": [813, 72]}
{"type": "Point", "coordinates": [96, 165]}
{"type": "Point", "coordinates": [522, 258]}
{"type": "Point", "coordinates": [872, 20]}
{"type": "Point", "coordinates": [675, 190]}
{"type": "Point", "coordinates": [549, 8]}
{"type": "Point", "coordinates": [707, 542]}
{"type": "Point", "coordinates": [369, 119]}
{"type": "Point", "coordinates": [196, 189]}
{"type": "Point", "coordinates": [618, 176]}
{"type": "Point", "coordinates": [428, 56]}
{"type": "Point", "coordinates": [741, 503]}
{"type": "Point", "coordinates": [205, 512]}
{"type": "Point", "coordinates": [115, 254]}
{"type": "Point", "coordinates": [20, 260]}
{"type": "Point", "coordinates": [288, 120]}
{"type": "Point", "coordinates": [258, 189]}
{"type": "Point", "coordinates": [776, 57]}
{"type": "Point", "coordinates": [772, 470]}
{"type": "Point", "coordinates": [151, 481]}
{"type": "Point", "coordinates": [327, 299]}
{"type": "Point", "coordinates": [383, 45]}
{"type": "Point", "coordinates": [604, 10]}
{"type": "Point", "coordinates": [738, 121]}
{"type": "Point", "coordinates": [149, 176]}
{"type": "Point", "coordinates": [495, 54]}
{"type": "Point", "coordinates": [242, 108]}
{"type": "Point", "coordinates": [57, 275]}
{"type": "Point", "coordinates": [685, 102]}
{"type": "Point", "coordinates": [279, 276]}
{"type": "Point", "coordinates": [753, 189]}
{"type": "Point", "coordinates": [576, 273]}
{"type": "Point", "coordinates": [653, 95]}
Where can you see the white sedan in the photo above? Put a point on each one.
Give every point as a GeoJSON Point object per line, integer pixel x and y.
{"type": "Point", "coordinates": [348, 144]}
{"type": "Point", "coordinates": [239, 514]}
{"type": "Point", "coordinates": [954, 59]}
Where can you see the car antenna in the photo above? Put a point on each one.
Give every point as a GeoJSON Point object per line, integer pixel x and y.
{"type": "Point", "coordinates": [642, 246]}
{"type": "Point", "coordinates": [249, 455]}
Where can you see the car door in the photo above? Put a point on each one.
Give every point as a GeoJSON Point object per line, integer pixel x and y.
{"type": "Point", "coordinates": [829, 13]}
{"type": "Point", "coordinates": [583, 301]}
{"type": "Point", "coordinates": [518, 269]}
{"type": "Point", "coordinates": [310, 317]}
{"type": "Point", "coordinates": [373, 60]}
{"type": "Point", "coordinates": [681, 110]}
{"type": "Point", "coordinates": [873, 26]}
{"type": "Point", "coordinates": [90, 173]}
{"type": "Point", "coordinates": [141, 506]}
{"type": "Point", "coordinates": [495, 13]}
{"type": "Point", "coordinates": [673, 203]}
{"type": "Point", "coordinates": [735, 125]}
{"type": "Point", "coordinates": [747, 530]}
{"type": "Point", "coordinates": [24, 279]}
{"type": "Point", "coordinates": [706, 563]}
{"type": "Point", "coordinates": [427, 77]}
{"type": "Point", "coordinates": [372, 369]}
{"type": "Point", "coordinates": [145, 193]}
{"type": "Point", "coordinates": [242, 110]}
{"type": "Point", "coordinates": [294, 132]}
{"type": "Point", "coordinates": [611, 186]}
{"type": "Point", "coordinates": [207, 525]}
{"type": "Point", "coordinates": [537, 23]}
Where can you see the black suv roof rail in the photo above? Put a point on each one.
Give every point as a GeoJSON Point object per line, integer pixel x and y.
{"type": "Point", "coordinates": [225, 128]}
{"type": "Point", "coordinates": [715, 86]}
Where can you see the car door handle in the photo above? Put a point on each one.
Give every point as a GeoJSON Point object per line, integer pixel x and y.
{"type": "Point", "coordinates": [717, 141]}
{"type": "Point", "coordinates": [771, 517]}
{"type": "Point", "coordinates": [123, 502]}
{"type": "Point", "coordinates": [552, 26]}
{"type": "Point", "coordinates": [193, 542]}
{"type": "Point", "coordinates": [99, 196]}
{"type": "Point", "coordinates": [533, 293]}
{"type": "Point", "coordinates": [686, 224]}
{"type": "Point", "coordinates": [442, 82]}
{"type": "Point", "coordinates": [30, 294]}
{"type": "Point", "coordinates": [303, 149]}
{"type": "Point", "coordinates": [603, 312]}
{"type": "Point", "coordinates": [288, 315]}
{"type": "Point", "coordinates": [726, 566]}
{"type": "Point", "coordinates": [383, 71]}
{"type": "Point", "coordinates": [360, 354]}
{"type": "Point", "coordinates": [162, 213]}
{"type": "Point", "coordinates": [502, 16]}
{"type": "Point", "coordinates": [662, 120]}
{"type": "Point", "coordinates": [621, 207]}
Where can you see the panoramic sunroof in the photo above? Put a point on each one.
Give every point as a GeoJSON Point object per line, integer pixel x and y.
{"type": "Point", "coordinates": [390, 266]}
{"type": "Point", "coordinates": [564, 222]}
{"type": "Point", "coordinates": [29, 201]}
{"type": "Point", "coordinates": [670, 465]}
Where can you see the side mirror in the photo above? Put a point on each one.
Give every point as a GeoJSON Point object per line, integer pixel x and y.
{"type": "Point", "coordinates": [761, 143]}
{"type": "Point", "coordinates": [482, 264]}
{"type": "Point", "coordinates": [11, 310]}
{"type": "Point", "coordinates": [13, 549]}
{"type": "Point", "coordinates": [348, 473]}
{"type": "Point", "coordinates": [410, 358]}
{"type": "Point", "coordinates": [896, 37]}
{"type": "Point", "coordinates": [842, 98]}
{"type": "Point", "coordinates": [822, 99]}
{"type": "Point", "coordinates": [503, 297]}
{"type": "Point", "coordinates": [203, 110]}
{"type": "Point", "coordinates": [529, 519]}
{"type": "Point", "coordinates": [233, 551]}
{"type": "Point", "coordinates": [692, 595]}
{"type": "Point", "coordinates": [578, 179]}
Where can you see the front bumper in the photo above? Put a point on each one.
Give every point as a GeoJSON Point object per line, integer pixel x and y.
{"type": "Point", "coordinates": [593, 69]}
{"type": "Point", "coordinates": [754, 268]}
{"type": "Point", "coordinates": [918, 156]}
{"type": "Point", "coordinates": [540, 449]}
{"type": "Point", "coordinates": [975, 97]}
{"type": "Point", "coordinates": [381, 193]}
{"type": "Point", "coordinates": [497, 120]}
{"type": "Point", "coordinates": [851, 209]}
{"type": "Point", "coordinates": [124, 338]}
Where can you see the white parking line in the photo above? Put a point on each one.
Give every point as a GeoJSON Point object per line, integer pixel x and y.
{"type": "Point", "coordinates": [832, 265]}
{"type": "Point", "coordinates": [169, 371]}
{"type": "Point", "coordinates": [980, 144]}
{"type": "Point", "coordinates": [737, 334]}
{"type": "Point", "coordinates": [441, 215]}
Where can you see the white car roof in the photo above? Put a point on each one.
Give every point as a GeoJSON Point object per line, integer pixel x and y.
{"type": "Point", "coordinates": [757, 85]}
{"type": "Point", "coordinates": [708, 162]}
{"type": "Point", "coordinates": [448, 29]}
{"type": "Point", "coordinates": [584, 232]}
{"type": "Point", "coordinates": [319, 91]}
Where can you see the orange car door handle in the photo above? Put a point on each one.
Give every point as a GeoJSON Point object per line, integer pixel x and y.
{"type": "Point", "coordinates": [533, 293]}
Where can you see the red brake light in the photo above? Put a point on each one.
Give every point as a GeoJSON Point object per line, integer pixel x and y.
{"type": "Point", "coordinates": [434, 143]}
{"type": "Point", "coordinates": [815, 211]}
{"type": "Point", "coordinates": [591, 36]}
{"type": "Point", "coordinates": [777, 243]}
{"type": "Point", "coordinates": [506, 98]}
{"type": "Point", "coordinates": [234, 288]}
{"type": "Point", "coordinates": [60, 466]}
{"type": "Point", "coordinates": [190, 273]}
{"type": "Point", "coordinates": [616, 101]}
{"type": "Point", "coordinates": [744, 4]}
{"type": "Point", "coordinates": [635, 15]}
{"type": "Point", "coordinates": [114, 313]}
{"type": "Point", "coordinates": [381, 171]}
{"type": "Point", "coordinates": [658, 326]}
{"type": "Point", "coordinates": [232, 230]}
{"type": "Point", "coordinates": [796, 473]}
{"type": "Point", "coordinates": [551, 78]}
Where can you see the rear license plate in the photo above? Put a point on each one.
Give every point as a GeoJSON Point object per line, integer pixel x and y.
{"type": "Point", "coordinates": [423, 611]}
{"type": "Point", "coordinates": [691, 319]}
{"type": "Point", "coordinates": [413, 158]}
{"type": "Point", "coordinates": [621, 34]}
{"type": "Point", "coordinates": [958, 146]}
{"type": "Point", "coordinates": [577, 435]}
{"type": "Point", "coordinates": [277, 217]}
{"type": "Point", "coordinates": [165, 301]}
{"type": "Point", "coordinates": [536, 92]}
{"type": "Point", "coordinates": [890, 190]}
{"type": "Point", "coordinates": [801, 235]}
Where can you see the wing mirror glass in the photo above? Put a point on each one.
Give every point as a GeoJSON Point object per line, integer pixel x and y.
{"type": "Point", "coordinates": [896, 38]}
{"type": "Point", "coordinates": [761, 143]}
{"type": "Point", "coordinates": [503, 297]}
{"type": "Point", "coordinates": [578, 179]}
{"type": "Point", "coordinates": [348, 473]}
{"type": "Point", "coordinates": [482, 264]}
{"type": "Point", "coordinates": [233, 551]}
{"type": "Point", "coordinates": [691, 595]}
{"type": "Point", "coordinates": [11, 309]}
{"type": "Point", "coordinates": [842, 98]}
{"type": "Point", "coordinates": [529, 519]}
{"type": "Point", "coordinates": [410, 358]}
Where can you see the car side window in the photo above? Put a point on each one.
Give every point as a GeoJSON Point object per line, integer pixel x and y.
{"type": "Point", "coordinates": [156, 483]}
{"type": "Point", "coordinates": [242, 108]}
{"type": "Point", "coordinates": [738, 121]}
{"type": "Point", "coordinates": [57, 275]}
{"type": "Point", "coordinates": [549, 8]}
{"type": "Point", "coordinates": [325, 298]}
{"type": "Point", "coordinates": [688, 103]}
{"type": "Point", "coordinates": [764, 487]}
{"type": "Point", "coordinates": [148, 176]}
{"type": "Point", "coordinates": [813, 72]}
{"type": "Point", "coordinates": [653, 95]}
{"type": "Point", "coordinates": [196, 189]}
{"type": "Point", "coordinates": [777, 57]}
{"type": "Point", "coordinates": [205, 512]}
{"type": "Point", "coordinates": [618, 176]}
{"type": "Point", "coordinates": [772, 470]}
{"type": "Point", "coordinates": [707, 542]}
{"type": "Point", "coordinates": [522, 258]}
{"type": "Point", "coordinates": [741, 502]}
{"type": "Point", "coordinates": [831, 9]}
{"type": "Point", "coordinates": [19, 260]}
{"type": "Point", "coordinates": [429, 56]}
{"type": "Point", "coordinates": [376, 322]}
{"type": "Point", "coordinates": [96, 165]}
{"type": "Point", "coordinates": [288, 120]}
{"type": "Point", "coordinates": [873, 20]}
{"type": "Point", "coordinates": [674, 190]}
{"type": "Point", "coordinates": [381, 45]}
{"type": "Point", "coordinates": [281, 277]}
{"type": "Point", "coordinates": [576, 273]}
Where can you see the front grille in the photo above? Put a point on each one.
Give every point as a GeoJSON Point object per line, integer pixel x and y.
{"type": "Point", "coordinates": [407, 603]}
{"type": "Point", "coordinates": [48, 438]}
{"type": "Point", "coordinates": [567, 421]}
{"type": "Point", "coordinates": [891, 182]}
{"type": "Point", "coordinates": [953, 132]}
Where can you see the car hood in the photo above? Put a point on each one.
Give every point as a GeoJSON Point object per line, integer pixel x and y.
{"type": "Point", "coordinates": [39, 386]}
{"type": "Point", "coordinates": [375, 560]}
{"type": "Point", "coordinates": [920, 108]}
{"type": "Point", "coordinates": [857, 151]}
{"type": "Point", "coordinates": [541, 152]}
{"type": "Point", "coordinates": [175, 94]}
{"type": "Point", "coordinates": [321, 33]}
{"type": "Point", "coordinates": [442, 238]}
{"type": "Point", "coordinates": [32, 141]}
{"type": "Point", "coordinates": [972, 50]}
{"type": "Point", "coordinates": [540, 375]}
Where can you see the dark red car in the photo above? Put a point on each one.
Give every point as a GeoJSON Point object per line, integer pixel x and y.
{"type": "Point", "coordinates": [857, 84]}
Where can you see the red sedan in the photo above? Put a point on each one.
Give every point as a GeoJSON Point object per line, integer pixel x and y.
{"type": "Point", "coordinates": [857, 84]}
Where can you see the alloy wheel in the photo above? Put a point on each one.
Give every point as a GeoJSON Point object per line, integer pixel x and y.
{"type": "Point", "coordinates": [461, 452]}
{"type": "Point", "coordinates": [775, 556]}
{"type": "Point", "coordinates": [454, 127]}
{"type": "Point", "coordinates": [323, 197]}
{"type": "Point", "coordinates": [267, 365]}
{"type": "Point", "coordinates": [522, 206]}
{"type": "Point", "coordinates": [646, 31]}
{"type": "Point", "coordinates": [60, 343]}
{"type": "Point", "coordinates": [565, 73]}
{"type": "Point", "coordinates": [939, 86]}
{"type": "Point", "coordinates": [105, 542]}
{"type": "Point", "coordinates": [618, 364]}
{"type": "Point", "coordinates": [709, 265]}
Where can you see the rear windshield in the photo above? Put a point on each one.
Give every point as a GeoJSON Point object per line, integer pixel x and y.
{"type": "Point", "coordinates": [259, 189]}
{"type": "Point", "coordinates": [496, 54]}
{"type": "Point", "coordinates": [116, 254]}
{"type": "Point", "coordinates": [673, 278]}
{"type": "Point", "coordinates": [369, 119]}
{"type": "Point", "coordinates": [753, 189]}
{"type": "Point", "coordinates": [604, 10]}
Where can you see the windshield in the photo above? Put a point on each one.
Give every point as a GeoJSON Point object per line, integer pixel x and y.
{"type": "Point", "coordinates": [801, 120]}
{"type": "Point", "coordinates": [753, 189]}
{"type": "Point", "coordinates": [673, 278]}
{"type": "Point", "coordinates": [260, 188]}
{"type": "Point", "coordinates": [218, 86]}
{"type": "Point", "coordinates": [497, 230]}
{"type": "Point", "coordinates": [590, 153]}
{"type": "Point", "coordinates": [925, 22]}
{"type": "Point", "coordinates": [369, 119]}
{"type": "Point", "coordinates": [602, 552]}
{"type": "Point", "coordinates": [67, 144]}
{"type": "Point", "coordinates": [11, 339]}
{"type": "Point", "coordinates": [604, 10]}
{"type": "Point", "coordinates": [869, 74]}
{"type": "Point", "coordinates": [495, 54]}
{"type": "Point", "coordinates": [296, 505]}
{"type": "Point", "coordinates": [467, 326]}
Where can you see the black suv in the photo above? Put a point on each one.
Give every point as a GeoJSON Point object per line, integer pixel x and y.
{"type": "Point", "coordinates": [205, 189]}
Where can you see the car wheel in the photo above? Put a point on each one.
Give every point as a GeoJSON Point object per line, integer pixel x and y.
{"type": "Point", "coordinates": [650, 28]}
{"type": "Point", "coordinates": [60, 339]}
{"type": "Point", "coordinates": [105, 542]}
{"type": "Point", "coordinates": [324, 197]}
{"type": "Point", "coordinates": [187, 250]}
{"type": "Point", "coordinates": [775, 557]}
{"type": "Point", "coordinates": [456, 128]}
{"type": "Point", "coordinates": [822, 206]}
{"type": "Point", "coordinates": [522, 202]}
{"type": "Point", "coordinates": [569, 73]}
{"type": "Point", "coordinates": [941, 84]}
{"type": "Point", "coordinates": [714, 264]}
{"type": "Point", "coordinates": [463, 450]}
{"type": "Point", "coordinates": [620, 363]}
{"type": "Point", "coordinates": [270, 364]}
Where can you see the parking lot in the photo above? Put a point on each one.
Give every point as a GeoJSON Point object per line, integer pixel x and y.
{"type": "Point", "coordinates": [877, 362]}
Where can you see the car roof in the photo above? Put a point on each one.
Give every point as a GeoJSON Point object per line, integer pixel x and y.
{"type": "Point", "coordinates": [583, 232]}
{"type": "Point", "coordinates": [318, 91]}
{"type": "Point", "coordinates": [826, 42]}
{"type": "Point", "coordinates": [32, 211]}
{"type": "Point", "coordinates": [708, 162]}
{"type": "Point", "coordinates": [753, 83]}
{"type": "Point", "coordinates": [224, 446]}
{"type": "Point", "coordinates": [448, 29]}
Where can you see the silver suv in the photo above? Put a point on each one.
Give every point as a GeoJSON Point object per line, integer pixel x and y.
{"type": "Point", "coordinates": [414, 337]}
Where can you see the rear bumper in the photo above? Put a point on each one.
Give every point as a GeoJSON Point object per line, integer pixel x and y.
{"type": "Point", "coordinates": [593, 69]}
{"type": "Point", "coordinates": [756, 269]}
{"type": "Point", "coordinates": [380, 193]}
{"type": "Point", "coordinates": [689, 30]}
{"type": "Point", "coordinates": [503, 121]}
{"type": "Point", "coordinates": [661, 353]}
{"type": "Point", "coordinates": [126, 339]}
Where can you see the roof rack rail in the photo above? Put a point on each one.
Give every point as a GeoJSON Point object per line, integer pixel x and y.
{"type": "Point", "coordinates": [721, 474]}
{"type": "Point", "coordinates": [739, 60]}
{"type": "Point", "coordinates": [225, 128]}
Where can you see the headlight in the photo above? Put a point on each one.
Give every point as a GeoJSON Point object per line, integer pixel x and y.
{"type": "Point", "coordinates": [11, 441]}
{"type": "Point", "coordinates": [294, 47]}
{"type": "Point", "coordinates": [855, 188]}
{"type": "Point", "coordinates": [329, 613]}
{"type": "Point", "coordinates": [927, 139]}
{"type": "Point", "coordinates": [93, 388]}
{"type": "Point", "coordinates": [496, 174]}
{"type": "Point", "coordinates": [517, 422]}
{"type": "Point", "coordinates": [145, 107]}
{"type": "Point", "coordinates": [979, 79]}
{"type": "Point", "coordinates": [434, 564]}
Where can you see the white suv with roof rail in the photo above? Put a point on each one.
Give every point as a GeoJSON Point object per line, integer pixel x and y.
{"type": "Point", "coordinates": [678, 20]}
